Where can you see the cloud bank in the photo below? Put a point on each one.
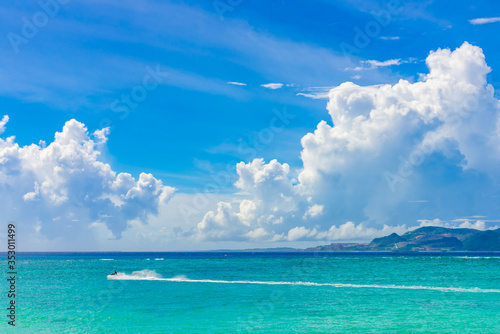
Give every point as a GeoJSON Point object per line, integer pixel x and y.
{"type": "Point", "coordinates": [365, 170]}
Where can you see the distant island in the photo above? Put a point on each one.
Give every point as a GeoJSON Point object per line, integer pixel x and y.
{"type": "Point", "coordinates": [425, 239]}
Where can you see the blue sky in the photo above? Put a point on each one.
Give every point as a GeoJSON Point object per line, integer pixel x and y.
{"type": "Point", "coordinates": [195, 121]}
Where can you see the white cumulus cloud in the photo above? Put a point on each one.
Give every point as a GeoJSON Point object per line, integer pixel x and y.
{"type": "Point", "coordinates": [272, 197]}
{"type": "Point", "coordinates": [4, 121]}
{"type": "Point", "coordinates": [478, 224]}
{"type": "Point", "coordinates": [485, 20]}
{"type": "Point", "coordinates": [374, 64]}
{"type": "Point", "coordinates": [273, 85]}
{"type": "Point", "coordinates": [390, 38]}
{"type": "Point", "coordinates": [383, 146]}
{"type": "Point", "coordinates": [389, 62]}
{"type": "Point", "coordinates": [236, 83]}
{"type": "Point", "coordinates": [66, 189]}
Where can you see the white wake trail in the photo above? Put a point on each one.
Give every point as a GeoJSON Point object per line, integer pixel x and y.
{"type": "Point", "coordinates": [149, 275]}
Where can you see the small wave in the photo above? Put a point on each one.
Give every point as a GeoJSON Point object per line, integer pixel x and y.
{"type": "Point", "coordinates": [159, 259]}
{"type": "Point", "coordinates": [151, 275]}
{"type": "Point", "coordinates": [463, 257]}
{"type": "Point", "coordinates": [476, 257]}
{"type": "Point", "coordinates": [106, 259]}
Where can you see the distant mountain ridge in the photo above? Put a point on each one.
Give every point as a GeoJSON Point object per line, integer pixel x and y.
{"type": "Point", "coordinates": [428, 238]}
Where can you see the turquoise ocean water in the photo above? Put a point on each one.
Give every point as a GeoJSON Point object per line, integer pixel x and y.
{"type": "Point", "coordinates": [255, 293]}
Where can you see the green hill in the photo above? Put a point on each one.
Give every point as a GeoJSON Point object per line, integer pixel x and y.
{"type": "Point", "coordinates": [430, 232]}
{"type": "Point", "coordinates": [483, 241]}
{"type": "Point", "coordinates": [446, 242]}
{"type": "Point", "coordinates": [388, 241]}
{"type": "Point", "coordinates": [427, 238]}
